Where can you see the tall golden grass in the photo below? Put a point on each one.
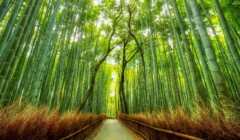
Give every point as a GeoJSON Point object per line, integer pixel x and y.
{"type": "Point", "coordinates": [200, 125]}
{"type": "Point", "coordinates": [32, 123]}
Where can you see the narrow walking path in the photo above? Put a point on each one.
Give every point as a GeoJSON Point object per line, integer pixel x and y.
{"type": "Point", "coordinates": [112, 129]}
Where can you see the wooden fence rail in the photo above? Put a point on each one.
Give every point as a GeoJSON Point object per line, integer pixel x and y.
{"type": "Point", "coordinates": [151, 133]}
{"type": "Point", "coordinates": [83, 133]}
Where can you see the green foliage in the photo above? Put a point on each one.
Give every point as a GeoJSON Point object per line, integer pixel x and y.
{"type": "Point", "coordinates": [50, 54]}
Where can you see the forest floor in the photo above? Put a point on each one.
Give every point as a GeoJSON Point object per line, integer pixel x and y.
{"type": "Point", "coordinates": [112, 129]}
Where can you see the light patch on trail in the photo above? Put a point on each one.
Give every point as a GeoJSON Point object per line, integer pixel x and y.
{"type": "Point", "coordinates": [112, 129]}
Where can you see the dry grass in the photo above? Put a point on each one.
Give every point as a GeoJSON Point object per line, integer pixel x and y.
{"type": "Point", "coordinates": [39, 124]}
{"type": "Point", "coordinates": [200, 125]}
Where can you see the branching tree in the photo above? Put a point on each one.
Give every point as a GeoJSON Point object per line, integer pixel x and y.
{"type": "Point", "coordinates": [110, 47]}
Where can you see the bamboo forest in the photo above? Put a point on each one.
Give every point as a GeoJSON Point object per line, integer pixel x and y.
{"type": "Point", "coordinates": [119, 69]}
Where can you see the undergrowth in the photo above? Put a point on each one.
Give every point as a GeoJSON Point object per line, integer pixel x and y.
{"type": "Point", "coordinates": [33, 123]}
{"type": "Point", "coordinates": [201, 124]}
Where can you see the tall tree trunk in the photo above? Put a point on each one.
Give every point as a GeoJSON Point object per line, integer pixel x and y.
{"type": "Point", "coordinates": [41, 57]}
{"type": "Point", "coordinates": [190, 57]}
{"type": "Point", "coordinates": [4, 8]}
{"type": "Point", "coordinates": [8, 29]}
{"type": "Point", "coordinates": [210, 52]}
{"type": "Point", "coordinates": [227, 34]}
{"type": "Point", "coordinates": [122, 89]}
{"type": "Point", "coordinates": [211, 92]}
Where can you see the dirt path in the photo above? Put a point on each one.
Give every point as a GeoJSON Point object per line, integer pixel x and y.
{"type": "Point", "coordinates": [112, 129]}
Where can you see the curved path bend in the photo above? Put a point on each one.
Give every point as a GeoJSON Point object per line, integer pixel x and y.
{"type": "Point", "coordinates": [112, 129]}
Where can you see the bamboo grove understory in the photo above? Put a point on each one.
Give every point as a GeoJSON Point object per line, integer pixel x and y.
{"type": "Point", "coordinates": [135, 56]}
